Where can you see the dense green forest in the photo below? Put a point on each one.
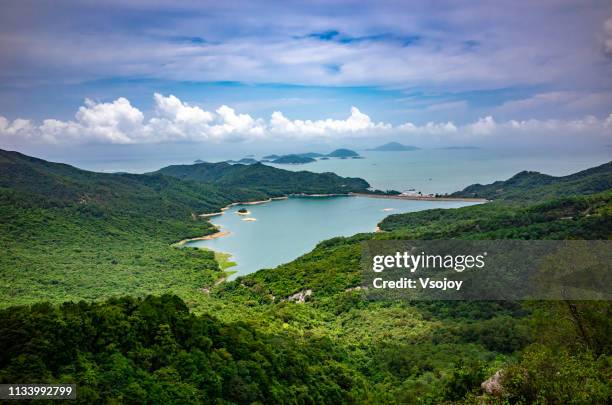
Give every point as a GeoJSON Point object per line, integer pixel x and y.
{"type": "Point", "coordinates": [253, 340]}
{"type": "Point", "coordinates": [70, 234]}
{"type": "Point", "coordinates": [534, 186]}
{"type": "Point", "coordinates": [266, 179]}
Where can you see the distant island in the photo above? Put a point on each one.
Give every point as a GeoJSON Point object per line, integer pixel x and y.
{"type": "Point", "coordinates": [244, 161]}
{"type": "Point", "coordinates": [343, 153]}
{"type": "Point", "coordinates": [293, 159]}
{"type": "Point", "coordinates": [311, 154]}
{"type": "Point", "coordinates": [393, 147]}
{"type": "Point", "coordinates": [198, 161]}
{"type": "Point", "coordinates": [309, 157]}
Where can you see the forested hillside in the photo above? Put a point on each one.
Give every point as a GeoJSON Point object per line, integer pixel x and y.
{"type": "Point", "coordinates": [435, 352]}
{"type": "Point", "coordinates": [266, 179]}
{"type": "Point", "coordinates": [69, 234]}
{"type": "Point", "coordinates": [534, 186]}
{"type": "Point", "coordinates": [54, 185]}
{"type": "Point", "coordinates": [154, 351]}
{"type": "Point", "coordinates": [299, 333]}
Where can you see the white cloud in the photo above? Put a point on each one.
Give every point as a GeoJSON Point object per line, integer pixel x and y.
{"type": "Point", "coordinates": [431, 128]}
{"type": "Point", "coordinates": [356, 123]}
{"type": "Point", "coordinates": [118, 122]}
{"type": "Point", "coordinates": [484, 126]}
{"type": "Point", "coordinates": [175, 110]}
{"type": "Point", "coordinates": [18, 127]}
{"type": "Point", "coordinates": [176, 120]}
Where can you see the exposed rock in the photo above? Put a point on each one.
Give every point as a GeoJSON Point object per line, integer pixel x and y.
{"type": "Point", "coordinates": [493, 385]}
{"type": "Point", "coordinates": [300, 297]}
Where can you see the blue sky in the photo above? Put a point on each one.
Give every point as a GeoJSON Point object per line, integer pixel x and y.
{"type": "Point", "coordinates": [431, 73]}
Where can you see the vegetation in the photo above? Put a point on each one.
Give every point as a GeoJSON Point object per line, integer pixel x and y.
{"type": "Point", "coordinates": [534, 186]}
{"type": "Point", "coordinates": [69, 234]}
{"type": "Point", "coordinates": [343, 153]}
{"type": "Point", "coordinates": [267, 180]}
{"type": "Point", "coordinates": [154, 351]}
{"type": "Point", "coordinates": [73, 235]}
{"type": "Point", "coordinates": [243, 161]}
{"type": "Point", "coordinates": [293, 159]}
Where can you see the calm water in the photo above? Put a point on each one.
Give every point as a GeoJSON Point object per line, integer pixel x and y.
{"type": "Point", "coordinates": [427, 170]}
{"type": "Point", "coordinates": [286, 229]}
{"type": "Point", "coordinates": [441, 170]}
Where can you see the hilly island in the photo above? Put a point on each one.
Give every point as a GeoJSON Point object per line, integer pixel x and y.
{"type": "Point", "coordinates": [88, 268]}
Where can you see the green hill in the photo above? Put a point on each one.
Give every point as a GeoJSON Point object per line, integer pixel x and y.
{"type": "Point", "coordinates": [266, 179]}
{"type": "Point", "coordinates": [343, 153]}
{"type": "Point", "coordinates": [311, 154]}
{"type": "Point", "coordinates": [50, 184]}
{"type": "Point", "coordinates": [68, 233]}
{"type": "Point", "coordinates": [72, 235]}
{"type": "Point", "coordinates": [532, 186]}
{"type": "Point", "coordinates": [294, 160]}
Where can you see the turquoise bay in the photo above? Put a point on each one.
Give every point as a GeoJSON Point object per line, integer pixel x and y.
{"type": "Point", "coordinates": [286, 229]}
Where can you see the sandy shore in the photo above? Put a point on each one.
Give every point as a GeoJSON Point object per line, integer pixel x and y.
{"type": "Point", "coordinates": [420, 198]}
{"type": "Point", "coordinates": [215, 235]}
{"type": "Point", "coordinates": [320, 195]}
{"type": "Point", "coordinates": [227, 207]}
{"type": "Point", "coordinates": [212, 214]}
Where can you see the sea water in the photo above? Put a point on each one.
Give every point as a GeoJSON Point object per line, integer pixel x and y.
{"type": "Point", "coordinates": [286, 229]}
{"type": "Point", "coordinates": [446, 171]}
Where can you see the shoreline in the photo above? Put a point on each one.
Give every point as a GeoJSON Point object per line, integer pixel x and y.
{"type": "Point", "coordinates": [218, 234]}
{"type": "Point", "coordinates": [221, 233]}
{"type": "Point", "coordinates": [285, 197]}
{"type": "Point", "coordinates": [303, 195]}
{"type": "Point", "coordinates": [420, 198]}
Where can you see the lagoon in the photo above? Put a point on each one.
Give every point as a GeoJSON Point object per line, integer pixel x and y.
{"type": "Point", "coordinates": [285, 229]}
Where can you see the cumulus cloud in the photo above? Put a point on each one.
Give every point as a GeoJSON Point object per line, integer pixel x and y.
{"type": "Point", "coordinates": [356, 123]}
{"type": "Point", "coordinates": [431, 128]}
{"type": "Point", "coordinates": [119, 122]}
